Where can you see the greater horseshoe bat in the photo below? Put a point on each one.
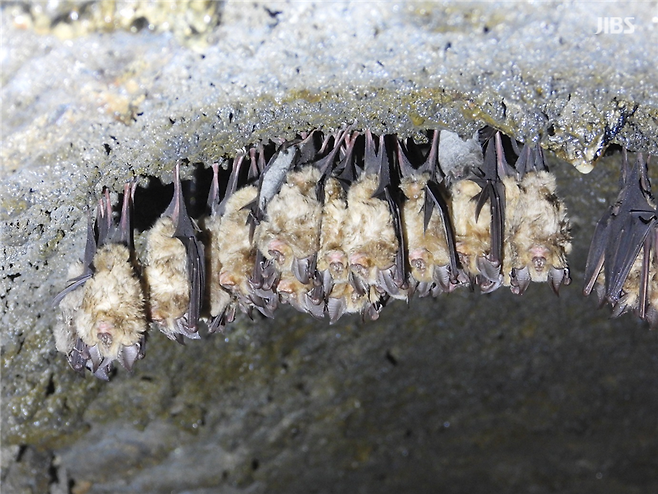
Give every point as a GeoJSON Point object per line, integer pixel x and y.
{"type": "Point", "coordinates": [235, 251]}
{"type": "Point", "coordinates": [175, 270]}
{"type": "Point", "coordinates": [103, 307]}
{"type": "Point", "coordinates": [427, 225]}
{"type": "Point", "coordinates": [537, 238]}
{"type": "Point", "coordinates": [219, 298]}
{"type": "Point", "coordinates": [373, 233]}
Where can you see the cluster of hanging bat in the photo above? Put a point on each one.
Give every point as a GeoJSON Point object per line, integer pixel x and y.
{"type": "Point", "coordinates": [338, 224]}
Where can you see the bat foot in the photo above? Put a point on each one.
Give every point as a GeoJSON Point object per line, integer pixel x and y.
{"type": "Point", "coordinates": [519, 280]}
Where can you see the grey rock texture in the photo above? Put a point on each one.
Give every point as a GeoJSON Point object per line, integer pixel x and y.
{"type": "Point", "coordinates": [466, 393]}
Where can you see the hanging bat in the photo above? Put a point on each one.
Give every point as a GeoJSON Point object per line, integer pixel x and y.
{"type": "Point", "coordinates": [373, 233]}
{"type": "Point", "coordinates": [104, 306]}
{"type": "Point", "coordinates": [627, 228]}
{"type": "Point", "coordinates": [235, 251]}
{"type": "Point", "coordinates": [222, 311]}
{"type": "Point", "coordinates": [427, 225]}
{"type": "Point", "coordinates": [537, 238]}
{"type": "Point", "coordinates": [333, 264]}
{"type": "Point", "coordinates": [478, 212]}
{"type": "Point", "coordinates": [175, 270]}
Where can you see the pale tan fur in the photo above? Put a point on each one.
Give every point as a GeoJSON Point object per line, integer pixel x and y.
{"type": "Point", "coordinates": [293, 220]}
{"type": "Point", "coordinates": [426, 248]}
{"type": "Point", "coordinates": [65, 332]}
{"type": "Point", "coordinates": [166, 276]}
{"type": "Point", "coordinates": [630, 299]}
{"type": "Point", "coordinates": [539, 227]}
{"type": "Point", "coordinates": [473, 238]}
{"type": "Point", "coordinates": [332, 255]}
{"type": "Point", "coordinates": [370, 239]}
{"type": "Point", "coordinates": [236, 253]}
{"type": "Point", "coordinates": [112, 310]}
{"type": "Point", "coordinates": [512, 197]}
{"type": "Point", "coordinates": [219, 297]}
{"type": "Point", "coordinates": [354, 303]}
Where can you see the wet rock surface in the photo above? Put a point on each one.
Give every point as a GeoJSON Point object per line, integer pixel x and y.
{"type": "Point", "coordinates": [464, 393]}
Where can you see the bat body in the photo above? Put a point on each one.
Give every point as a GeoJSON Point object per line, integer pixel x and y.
{"type": "Point", "coordinates": [621, 259]}
{"type": "Point", "coordinates": [219, 298]}
{"type": "Point", "coordinates": [236, 251]}
{"type": "Point", "coordinates": [429, 256]}
{"type": "Point", "coordinates": [175, 270]}
{"type": "Point", "coordinates": [112, 316]}
{"type": "Point", "coordinates": [103, 308]}
{"type": "Point", "coordinates": [537, 232]}
{"type": "Point", "coordinates": [370, 240]}
{"type": "Point", "coordinates": [289, 236]}
{"type": "Point", "coordinates": [472, 232]}
{"type": "Point", "coordinates": [333, 264]}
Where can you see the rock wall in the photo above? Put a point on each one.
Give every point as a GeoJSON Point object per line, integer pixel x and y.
{"type": "Point", "coordinates": [465, 393]}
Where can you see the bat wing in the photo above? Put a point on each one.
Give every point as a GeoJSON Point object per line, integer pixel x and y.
{"type": "Point", "coordinates": [186, 232]}
{"type": "Point", "coordinates": [401, 270]}
{"type": "Point", "coordinates": [433, 193]}
{"type": "Point", "coordinates": [78, 281]}
{"type": "Point", "coordinates": [196, 276]}
{"type": "Point", "coordinates": [635, 217]}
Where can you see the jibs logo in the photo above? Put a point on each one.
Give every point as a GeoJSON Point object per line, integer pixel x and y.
{"type": "Point", "coordinates": [615, 25]}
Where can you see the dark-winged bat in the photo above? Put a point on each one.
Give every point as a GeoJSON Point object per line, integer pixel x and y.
{"type": "Point", "coordinates": [175, 270]}
{"type": "Point", "coordinates": [627, 230]}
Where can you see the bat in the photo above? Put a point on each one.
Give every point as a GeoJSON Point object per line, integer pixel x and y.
{"type": "Point", "coordinates": [175, 270]}
{"type": "Point", "coordinates": [478, 212]}
{"type": "Point", "coordinates": [537, 233]}
{"type": "Point", "coordinates": [627, 228]}
{"type": "Point", "coordinates": [431, 247]}
{"type": "Point", "coordinates": [373, 233]}
{"type": "Point", "coordinates": [219, 298]}
{"type": "Point", "coordinates": [104, 306]}
{"type": "Point", "coordinates": [332, 262]}
{"type": "Point", "coordinates": [236, 253]}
